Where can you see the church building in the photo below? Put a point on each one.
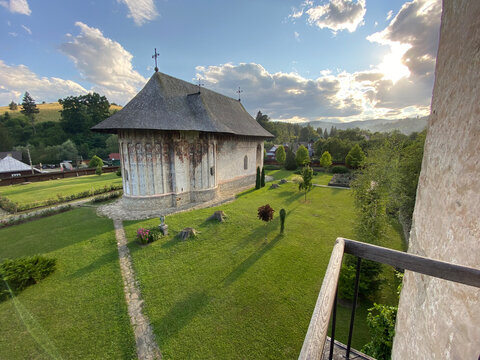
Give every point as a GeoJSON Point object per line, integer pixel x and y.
{"type": "Point", "coordinates": [180, 144]}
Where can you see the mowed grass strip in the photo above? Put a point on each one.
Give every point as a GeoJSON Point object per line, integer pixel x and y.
{"type": "Point", "coordinates": [79, 311]}
{"type": "Point", "coordinates": [38, 193]}
{"type": "Point", "coordinates": [240, 290]}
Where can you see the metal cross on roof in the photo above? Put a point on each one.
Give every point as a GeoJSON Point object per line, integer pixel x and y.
{"type": "Point", "coordinates": [154, 56]}
{"type": "Point", "coordinates": [239, 92]}
{"type": "Point", "coordinates": [200, 84]}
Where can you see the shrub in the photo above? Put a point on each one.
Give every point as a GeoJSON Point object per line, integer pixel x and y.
{"type": "Point", "coordinates": [265, 213]}
{"type": "Point", "coordinates": [381, 326]}
{"type": "Point", "coordinates": [301, 157]}
{"type": "Point", "coordinates": [306, 184]}
{"type": "Point", "coordinates": [145, 236]}
{"type": "Point", "coordinates": [262, 178]}
{"type": "Point", "coordinates": [283, 213]}
{"type": "Point", "coordinates": [98, 170]}
{"type": "Point", "coordinates": [326, 160]}
{"type": "Point", "coordinates": [95, 162]}
{"type": "Point", "coordinates": [119, 172]}
{"type": "Point", "coordinates": [280, 154]}
{"type": "Point", "coordinates": [340, 170]}
{"type": "Point", "coordinates": [8, 205]}
{"type": "Point", "coordinates": [290, 163]}
{"type": "Point", "coordinates": [355, 157]}
{"type": "Point", "coordinates": [22, 272]}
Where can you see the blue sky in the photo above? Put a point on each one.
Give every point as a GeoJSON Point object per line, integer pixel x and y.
{"type": "Point", "coordinates": [295, 60]}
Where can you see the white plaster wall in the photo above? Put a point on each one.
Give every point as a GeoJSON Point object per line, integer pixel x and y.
{"type": "Point", "coordinates": [438, 319]}
{"type": "Point", "coordinates": [231, 153]}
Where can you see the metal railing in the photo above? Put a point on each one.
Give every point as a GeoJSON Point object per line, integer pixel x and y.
{"type": "Point", "coordinates": [327, 298]}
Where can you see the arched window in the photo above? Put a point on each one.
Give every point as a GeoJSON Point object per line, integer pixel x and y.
{"type": "Point", "coordinates": [245, 162]}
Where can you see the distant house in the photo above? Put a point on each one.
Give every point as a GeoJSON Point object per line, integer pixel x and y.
{"type": "Point", "coordinates": [11, 167]}
{"type": "Point", "coordinates": [114, 159]}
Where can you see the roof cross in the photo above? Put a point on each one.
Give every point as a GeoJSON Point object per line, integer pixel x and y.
{"type": "Point", "coordinates": [200, 84]}
{"type": "Point", "coordinates": [154, 56]}
{"type": "Point", "coordinates": [239, 92]}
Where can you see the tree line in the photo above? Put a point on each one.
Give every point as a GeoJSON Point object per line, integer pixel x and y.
{"type": "Point", "coordinates": [68, 139]}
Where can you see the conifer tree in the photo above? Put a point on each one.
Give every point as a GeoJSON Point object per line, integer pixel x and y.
{"type": "Point", "coordinates": [29, 109]}
{"type": "Point", "coordinates": [257, 182]}
{"type": "Point", "coordinates": [262, 180]}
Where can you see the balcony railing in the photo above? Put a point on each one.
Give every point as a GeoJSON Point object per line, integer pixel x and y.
{"type": "Point", "coordinates": [327, 298]}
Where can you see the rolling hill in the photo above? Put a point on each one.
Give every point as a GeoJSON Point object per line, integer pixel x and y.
{"type": "Point", "coordinates": [48, 112]}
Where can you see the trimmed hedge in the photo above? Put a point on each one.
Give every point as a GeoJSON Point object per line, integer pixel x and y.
{"type": "Point", "coordinates": [12, 207]}
{"type": "Point", "coordinates": [339, 170]}
{"type": "Point", "coordinates": [22, 272]}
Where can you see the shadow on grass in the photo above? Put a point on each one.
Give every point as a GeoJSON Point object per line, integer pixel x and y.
{"type": "Point", "coordinates": [96, 264]}
{"type": "Point", "coordinates": [248, 262]}
{"type": "Point", "coordinates": [245, 193]}
{"type": "Point", "coordinates": [180, 315]}
{"type": "Point", "coordinates": [290, 196]}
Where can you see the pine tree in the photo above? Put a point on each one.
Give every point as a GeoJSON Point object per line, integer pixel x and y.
{"type": "Point", "coordinates": [29, 109]}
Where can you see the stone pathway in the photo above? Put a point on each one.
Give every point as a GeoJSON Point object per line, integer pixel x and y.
{"type": "Point", "coordinates": [147, 348]}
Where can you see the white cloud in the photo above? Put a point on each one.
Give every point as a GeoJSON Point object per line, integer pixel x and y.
{"type": "Point", "coordinates": [389, 15]}
{"type": "Point", "coordinates": [104, 63]}
{"type": "Point", "coordinates": [16, 79]}
{"type": "Point", "coordinates": [27, 29]}
{"type": "Point", "coordinates": [14, 34]}
{"type": "Point", "coordinates": [297, 36]}
{"type": "Point", "coordinates": [335, 15]}
{"type": "Point", "coordinates": [281, 95]}
{"type": "Point", "coordinates": [141, 10]}
{"type": "Point", "coordinates": [16, 6]}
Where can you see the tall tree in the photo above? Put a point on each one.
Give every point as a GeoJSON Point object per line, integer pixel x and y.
{"type": "Point", "coordinates": [29, 109]}
{"type": "Point", "coordinates": [13, 106]}
{"type": "Point", "coordinates": [290, 163]}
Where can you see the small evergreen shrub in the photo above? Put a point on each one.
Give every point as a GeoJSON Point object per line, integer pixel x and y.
{"type": "Point", "coordinates": [283, 213]}
{"type": "Point", "coordinates": [22, 272]}
{"type": "Point", "coordinates": [339, 170]}
{"type": "Point", "coordinates": [257, 180]}
{"type": "Point", "coordinates": [262, 179]}
{"type": "Point", "coordinates": [119, 172]}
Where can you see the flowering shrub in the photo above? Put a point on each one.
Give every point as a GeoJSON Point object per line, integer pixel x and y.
{"type": "Point", "coordinates": [145, 236]}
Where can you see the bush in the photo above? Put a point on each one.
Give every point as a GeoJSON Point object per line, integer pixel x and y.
{"type": "Point", "coordinates": [301, 157]}
{"type": "Point", "coordinates": [145, 236]}
{"type": "Point", "coordinates": [265, 213]}
{"type": "Point", "coordinates": [290, 163]}
{"type": "Point", "coordinates": [355, 157]}
{"type": "Point", "coordinates": [98, 170]}
{"type": "Point", "coordinates": [340, 170]}
{"type": "Point", "coordinates": [262, 178]}
{"type": "Point", "coordinates": [119, 172]}
{"type": "Point", "coordinates": [326, 160]}
{"type": "Point", "coordinates": [22, 272]}
{"type": "Point", "coordinates": [95, 162]}
{"type": "Point", "coordinates": [381, 326]}
{"type": "Point", "coordinates": [257, 179]}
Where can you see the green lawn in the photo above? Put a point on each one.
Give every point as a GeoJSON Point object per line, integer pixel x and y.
{"type": "Point", "coordinates": [78, 312]}
{"type": "Point", "coordinates": [239, 290]}
{"type": "Point", "coordinates": [37, 193]}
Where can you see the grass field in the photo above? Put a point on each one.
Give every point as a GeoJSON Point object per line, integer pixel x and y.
{"type": "Point", "coordinates": [48, 112]}
{"type": "Point", "coordinates": [239, 289]}
{"type": "Point", "coordinates": [78, 312]}
{"type": "Point", "coordinates": [37, 193]}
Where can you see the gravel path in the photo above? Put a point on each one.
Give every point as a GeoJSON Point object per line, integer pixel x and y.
{"type": "Point", "coordinates": [147, 348]}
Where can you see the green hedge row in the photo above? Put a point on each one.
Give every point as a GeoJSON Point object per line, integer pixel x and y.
{"type": "Point", "coordinates": [13, 207]}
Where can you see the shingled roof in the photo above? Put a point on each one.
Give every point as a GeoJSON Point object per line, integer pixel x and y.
{"type": "Point", "coordinates": [168, 103]}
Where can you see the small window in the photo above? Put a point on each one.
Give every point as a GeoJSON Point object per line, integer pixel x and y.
{"type": "Point", "coordinates": [245, 162]}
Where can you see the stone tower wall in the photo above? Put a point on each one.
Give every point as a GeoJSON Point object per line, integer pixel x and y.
{"type": "Point", "coordinates": [438, 319]}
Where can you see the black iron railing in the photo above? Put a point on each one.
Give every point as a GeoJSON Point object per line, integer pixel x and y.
{"type": "Point", "coordinates": [327, 298]}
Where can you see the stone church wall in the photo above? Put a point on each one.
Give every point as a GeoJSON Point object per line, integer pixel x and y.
{"type": "Point", "coordinates": [169, 169]}
{"type": "Point", "coordinates": [438, 319]}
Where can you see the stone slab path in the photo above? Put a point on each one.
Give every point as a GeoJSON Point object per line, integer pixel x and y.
{"type": "Point", "coordinates": [147, 348]}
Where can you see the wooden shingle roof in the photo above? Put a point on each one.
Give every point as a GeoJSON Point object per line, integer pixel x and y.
{"type": "Point", "coordinates": [168, 103]}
